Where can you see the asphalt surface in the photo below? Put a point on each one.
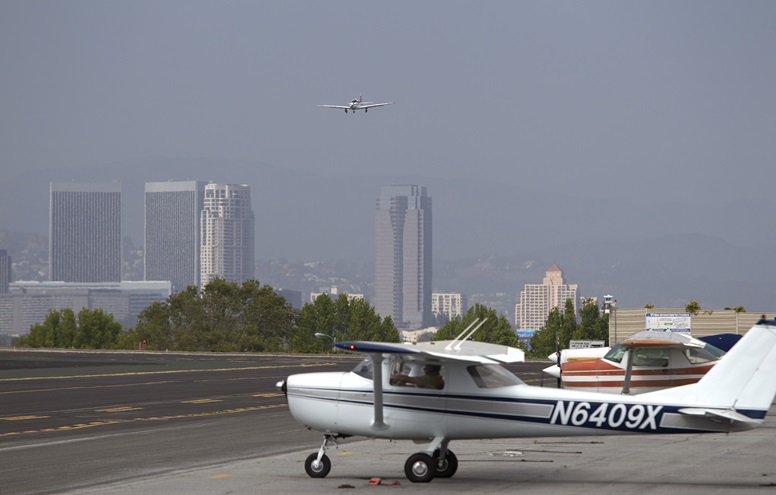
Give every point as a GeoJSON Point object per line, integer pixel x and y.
{"type": "Point", "coordinates": [89, 423]}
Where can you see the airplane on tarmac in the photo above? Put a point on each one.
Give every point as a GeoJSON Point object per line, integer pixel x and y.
{"type": "Point", "coordinates": [480, 399]}
{"type": "Point", "coordinates": [644, 362]}
{"type": "Point", "coordinates": [358, 104]}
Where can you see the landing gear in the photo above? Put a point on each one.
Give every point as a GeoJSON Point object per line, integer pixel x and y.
{"type": "Point", "coordinates": [318, 465]}
{"type": "Point", "coordinates": [346, 110]}
{"type": "Point", "coordinates": [419, 468]}
{"type": "Point", "coordinates": [316, 468]}
{"type": "Point", "coordinates": [446, 466]}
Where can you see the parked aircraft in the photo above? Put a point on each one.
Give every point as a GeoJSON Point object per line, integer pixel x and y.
{"type": "Point", "coordinates": [644, 362]}
{"type": "Point", "coordinates": [480, 398]}
{"type": "Point", "coordinates": [358, 104]}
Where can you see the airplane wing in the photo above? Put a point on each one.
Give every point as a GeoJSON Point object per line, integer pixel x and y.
{"type": "Point", "coordinates": [476, 352]}
{"type": "Point", "coordinates": [346, 107]}
{"type": "Point", "coordinates": [372, 105]}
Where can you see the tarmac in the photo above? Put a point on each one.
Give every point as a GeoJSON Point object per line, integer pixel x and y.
{"type": "Point", "coordinates": [705, 464]}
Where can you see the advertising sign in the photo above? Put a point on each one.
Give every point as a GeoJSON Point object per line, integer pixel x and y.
{"type": "Point", "coordinates": [669, 322]}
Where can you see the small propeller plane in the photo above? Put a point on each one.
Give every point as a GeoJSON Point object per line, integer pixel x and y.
{"type": "Point", "coordinates": [358, 104]}
{"type": "Point", "coordinates": [388, 396]}
{"type": "Point", "coordinates": [644, 362]}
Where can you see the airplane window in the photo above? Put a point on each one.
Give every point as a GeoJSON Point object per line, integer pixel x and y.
{"type": "Point", "coordinates": [699, 356]}
{"type": "Point", "coordinates": [417, 374]}
{"type": "Point", "coordinates": [364, 368]}
{"type": "Point", "coordinates": [656, 358]}
{"type": "Point", "coordinates": [492, 376]}
{"type": "Point", "coordinates": [615, 354]}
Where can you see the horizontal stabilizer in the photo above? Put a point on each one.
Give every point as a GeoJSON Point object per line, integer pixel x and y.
{"type": "Point", "coordinates": [727, 414]}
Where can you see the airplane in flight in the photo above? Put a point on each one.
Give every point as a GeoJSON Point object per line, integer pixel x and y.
{"type": "Point", "coordinates": [358, 104]}
{"type": "Point", "coordinates": [644, 362]}
{"type": "Point", "coordinates": [479, 398]}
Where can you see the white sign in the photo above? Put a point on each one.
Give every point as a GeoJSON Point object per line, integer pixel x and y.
{"type": "Point", "coordinates": [586, 344]}
{"type": "Point", "coordinates": [669, 322]}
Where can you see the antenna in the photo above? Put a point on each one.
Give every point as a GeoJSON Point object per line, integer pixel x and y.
{"type": "Point", "coordinates": [458, 347]}
{"type": "Point", "coordinates": [450, 345]}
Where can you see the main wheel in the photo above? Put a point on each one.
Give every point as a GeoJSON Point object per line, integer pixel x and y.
{"type": "Point", "coordinates": [445, 468]}
{"type": "Point", "coordinates": [317, 469]}
{"type": "Point", "coordinates": [419, 468]}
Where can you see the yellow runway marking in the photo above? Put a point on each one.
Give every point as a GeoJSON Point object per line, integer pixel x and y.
{"type": "Point", "coordinates": [22, 418]}
{"type": "Point", "coordinates": [201, 401]}
{"type": "Point", "coordinates": [139, 420]}
{"type": "Point", "coordinates": [119, 409]}
{"type": "Point", "coordinates": [220, 476]}
{"type": "Point", "coordinates": [340, 454]}
{"type": "Point", "coordinates": [142, 373]}
{"type": "Point", "coordinates": [269, 394]}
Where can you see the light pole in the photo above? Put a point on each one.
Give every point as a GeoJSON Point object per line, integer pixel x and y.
{"type": "Point", "coordinates": [318, 335]}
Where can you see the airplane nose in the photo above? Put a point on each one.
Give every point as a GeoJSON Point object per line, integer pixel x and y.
{"type": "Point", "coordinates": [282, 387]}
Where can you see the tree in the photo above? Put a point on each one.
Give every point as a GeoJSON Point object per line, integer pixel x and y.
{"type": "Point", "coordinates": [693, 307]}
{"type": "Point", "coordinates": [593, 325]}
{"type": "Point", "coordinates": [343, 319]}
{"type": "Point", "coordinates": [496, 329]}
{"type": "Point", "coordinates": [92, 329]}
{"type": "Point", "coordinates": [556, 332]}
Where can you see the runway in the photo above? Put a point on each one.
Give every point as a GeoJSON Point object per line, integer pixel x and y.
{"type": "Point", "coordinates": [187, 423]}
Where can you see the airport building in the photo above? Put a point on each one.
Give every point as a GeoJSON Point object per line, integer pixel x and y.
{"type": "Point", "coordinates": [28, 303]}
{"type": "Point", "coordinates": [173, 213]}
{"type": "Point", "coordinates": [403, 256]}
{"type": "Point", "coordinates": [227, 230]}
{"type": "Point", "coordinates": [537, 300]}
{"type": "Point", "coordinates": [85, 232]}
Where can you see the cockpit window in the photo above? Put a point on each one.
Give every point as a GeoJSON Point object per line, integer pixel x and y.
{"type": "Point", "coordinates": [703, 355]}
{"type": "Point", "coordinates": [492, 376]}
{"type": "Point", "coordinates": [616, 353]}
{"type": "Point", "coordinates": [364, 368]}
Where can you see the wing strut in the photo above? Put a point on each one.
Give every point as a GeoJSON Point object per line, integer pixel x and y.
{"type": "Point", "coordinates": [377, 380]}
{"type": "Point", "coordinates": [628, 371]}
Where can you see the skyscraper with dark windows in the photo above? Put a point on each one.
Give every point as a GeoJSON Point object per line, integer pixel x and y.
{"type": "Point", "coordinates": [172, 232]}
{"type": "Point", "coordinates": [403, 256]}
{"type": "Point", "coordinates": [5, 271]}
{"type": "Point", "coordinates": [85, 232]}
{"type": "Point", "coordinates": [227, 233]}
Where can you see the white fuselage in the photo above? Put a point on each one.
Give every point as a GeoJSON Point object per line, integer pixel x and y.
{"type": "Point", "coordinates": [342, 403]}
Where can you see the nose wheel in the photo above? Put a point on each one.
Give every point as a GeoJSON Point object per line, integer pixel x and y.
{"type": "Point", "coordinates": [317, 468]}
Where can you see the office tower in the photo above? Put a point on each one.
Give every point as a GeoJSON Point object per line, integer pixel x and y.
{"type": "Point", "coordinates": [172, 232]}
{"type": "Point", "coordinates": [403, 256]}
{"type": "Point", "coordinates": [537, 300]}
{"type": "Point", "coordinates": [227, 227]}
{"type": "Point", "coordinates": [5, 271]}
{"type": "Point", "coordinates": [85, 232]}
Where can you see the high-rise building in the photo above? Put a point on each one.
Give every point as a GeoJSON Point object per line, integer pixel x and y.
{"type": "Point", "coordinates": [537, 300]}
{"type": "Point", "coordinates": [5, 271]}
{"type": "Point", "coordinates": [85, 232]}
{"type": "Point", "coordinates": [403, 256]}
{"type": "Point", "coordinates": [449, 306]}
{"type": "Point", "coordinates": [227, 226]}
{"type": "Point", "coordinates": [172, 232]}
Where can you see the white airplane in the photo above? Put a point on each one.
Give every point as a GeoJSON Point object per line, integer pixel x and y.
{"type": "Point", "coordinates": [644, 362]}
{"type": "Point", "coordinates": [384, 397]}
{"type": "Point", "coordinates": [358, 104]}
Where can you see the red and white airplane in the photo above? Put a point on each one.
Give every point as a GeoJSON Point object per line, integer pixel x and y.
{"type": "Point", "coordinates": [358, 104]}
{"type": "Point", "coordinates": [644, 362]}
{"type": "Point", "coordinates": [436, 392]}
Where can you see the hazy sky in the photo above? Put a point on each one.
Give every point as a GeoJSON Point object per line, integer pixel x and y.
{"type": "Point", "coordinates": [665, 99]}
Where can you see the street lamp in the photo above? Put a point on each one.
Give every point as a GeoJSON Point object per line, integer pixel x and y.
{"type": "Point", "coordinates": [318, 335]}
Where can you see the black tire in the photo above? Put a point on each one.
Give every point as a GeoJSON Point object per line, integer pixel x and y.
{"type": "Point", "coordinates": [419, 468]}
{"type": "Point", "coordinates": [445, 468]}
{"type": "Point", "coordinates": [317, 472]}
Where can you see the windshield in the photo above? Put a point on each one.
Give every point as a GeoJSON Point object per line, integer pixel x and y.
{"type": "Point", "coordinates": [616, 353]}
{"type": "Point", "coordinates": [364, 368]}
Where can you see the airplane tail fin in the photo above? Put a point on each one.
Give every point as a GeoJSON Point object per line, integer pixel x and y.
{"type": "Point", "coordinates": [744, 379]}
